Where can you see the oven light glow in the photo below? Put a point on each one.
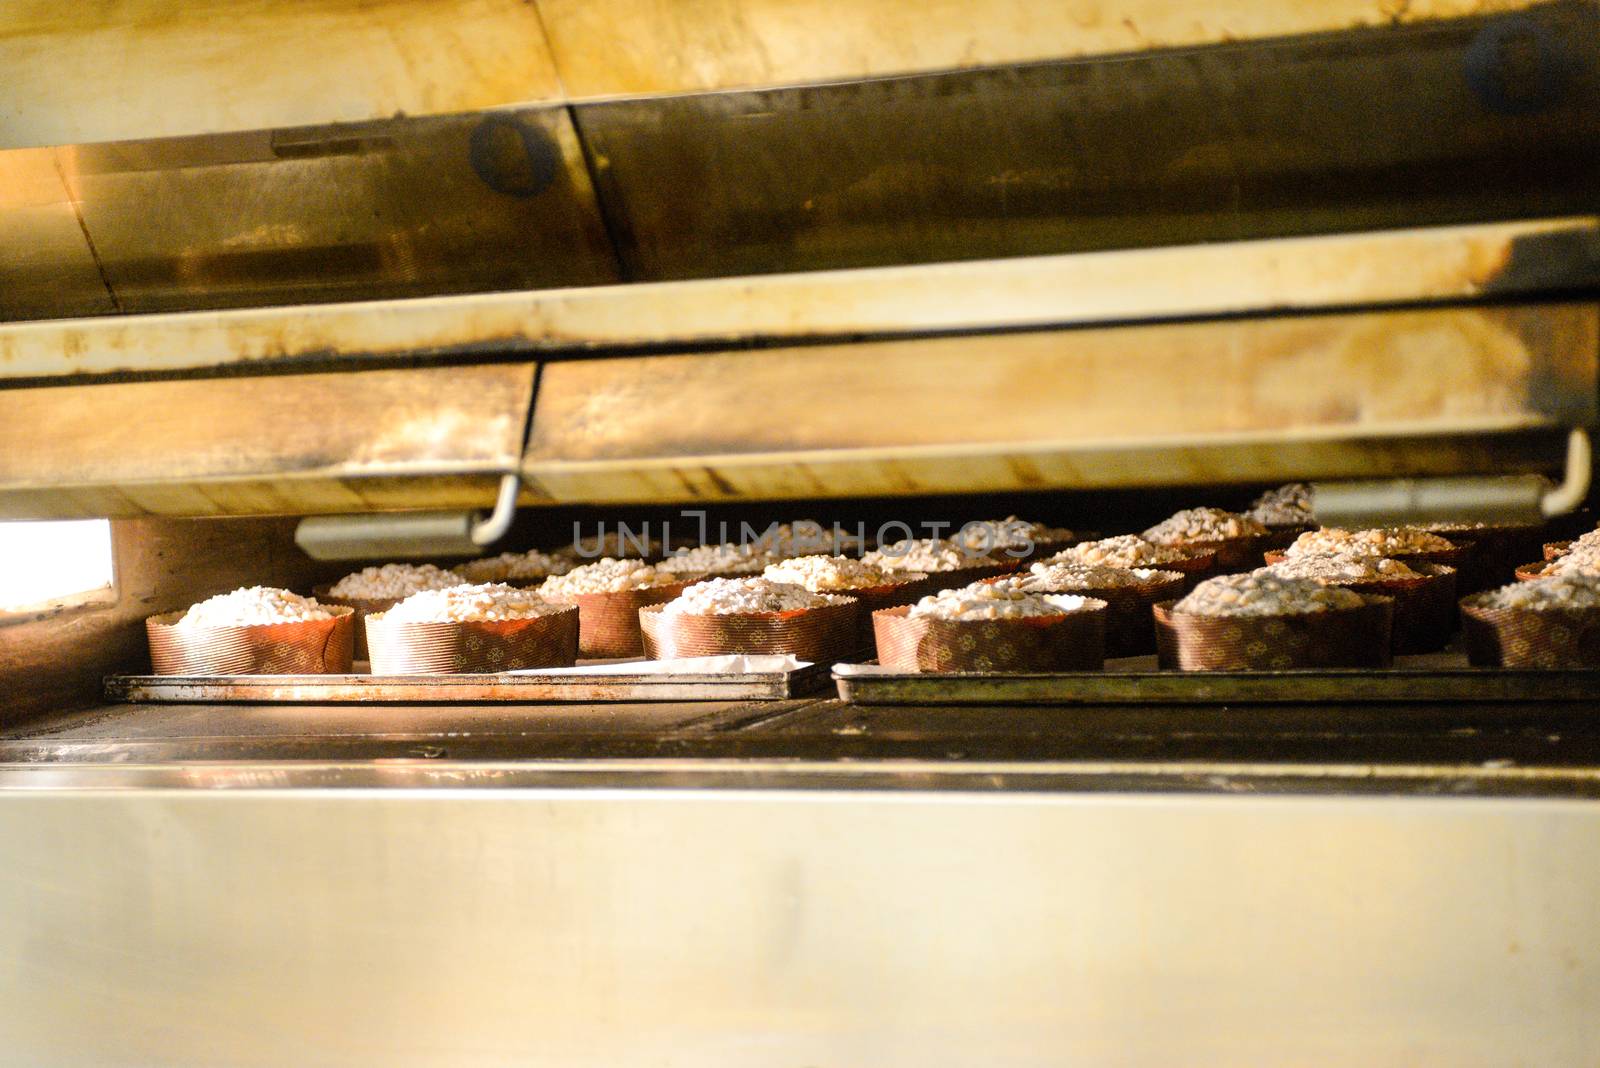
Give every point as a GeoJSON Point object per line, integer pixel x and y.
{"type": "Point", "coordinates": [42, 562]}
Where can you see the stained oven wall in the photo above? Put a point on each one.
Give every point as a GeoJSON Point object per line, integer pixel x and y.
{"type": "Point", "coordinates": [53, 660]}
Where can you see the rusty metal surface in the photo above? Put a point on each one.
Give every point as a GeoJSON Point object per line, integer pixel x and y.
{"type": "Point", "coordinates": [433, 689]}
{"type": "Point", "coordinates": [122, 69]}
{"type": "Point", "coordinates": [1420, 121]}
{"type": "Point", "coordinates": [449, 724]}
{"type": "Point", "coordinates": [126, 69]}
{"type": "Point", "coordinates": [1473, 118]}
{"type": "Point", "coordinates": [316, 493]}
{"type": "Point", "coordinates": [1429, 747]}
{"type": "Point", "coordinates": [1420, 392]}
{"type": "Point", "coordinates": [806, 776]}
{"type": "Point", "coordinates": [1479, 368]}
{"type": "Point", "coordinates": [384, 209]}
{"type": "Point", "coordinates": [1437, 677]}
{"type": "Point", "coordinates": [984, 466]}
{"type": "Point", "coordinates": [286, 444]}
{"type": "Point", "coordinates": [49, 267]}
{"type": "Point", "coordinates": [1321, 732]}
{"type": "Point", "coordinates": [249, 914]}
{"type": "Point", "coordinates": [676, 47]}
{"type": "Point", "coordinates": [1386, 267]}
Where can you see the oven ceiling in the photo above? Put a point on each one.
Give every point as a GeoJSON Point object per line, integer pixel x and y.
{"type": "Point", "coordinates": [160, 157]}
{"type": "Point", "coordinates": [657, 217]}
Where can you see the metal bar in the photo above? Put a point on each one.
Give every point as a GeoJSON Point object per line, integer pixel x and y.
{"type": "Point", "coordinates": [1397, 267]}
{"type": "Point", "coordinates": [296, 444]}
{"type": "Point", "coordinates": [846, 778]}
{"type": "Point", "coordinates": [1146, 687]}
{"type": "Point", "coordinates": [325, 689]}
{"type": "Point", "coordinates": [1414, 392]}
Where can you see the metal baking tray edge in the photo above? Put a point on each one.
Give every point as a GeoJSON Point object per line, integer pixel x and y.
{"type": "Point", "coordinates": [1152, 687]}
{"type": "Point", "coordinates": [446, 689]}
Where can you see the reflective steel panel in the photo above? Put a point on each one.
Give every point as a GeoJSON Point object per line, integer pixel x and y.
{"type": "Point", "coordinates": [395, 208]}
{"type": "Point", "coordinates": [1473, 118]}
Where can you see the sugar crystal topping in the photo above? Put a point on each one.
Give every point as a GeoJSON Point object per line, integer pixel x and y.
{"type": "Point", "coordinates": [607, 576]}
{"type": "Point", "coordinates": [1378, 541]}
{"type": "Point", "coordinates": [1338, 567]}
{"type": "Point", "coordinates": [930, 555]}
{"type": "Point", "coordinates": [819, 573]}
{"type": "Point", "coordinates": [1261, 594]}
{"type": "Point", "coordinates": [747, 596]}
{"type": "Point", "coordinates": [1562, 591]}
{"type": "Point", "coordinates": [1203, 524]}
{"type": "Point", "coordinates": [490, 602]}
{"type": "Point", "coordinates": [1124, 550]}
{"type": "Point", "coordinates": [1048, 576]}
{"type": "Point", "coordinates": [987, 600]}
{"type": "Point", "coordinates": [254, 606]}
{"type": "Point", "coordinates": [1286, 506]}
{"type": "Point", "coordinates": [393, 581]}
{"type": "Point", "coordinates": [521, 567]}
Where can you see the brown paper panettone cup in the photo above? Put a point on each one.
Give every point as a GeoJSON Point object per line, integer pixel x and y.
{"type": "Point", "coordinates": [1231, 554]}
{"type": "Point", "coordinates": [1530, 572]}
{"type": "Point", "coordinates": [363, 607]}
{"type": "Point", "coordinates": [654, 552]}
{"type": "Point", "coordinates": [1554, 550]}
{"type": "Point", "coordinates": [1503, 548]}
{"type": "Point", "coordinates": [966, 576]}
{"type": "Point", "coordinates": [1493, 553]}
{"type": "Point", "coordinates": [1424, 608]}
{"type": "Point", "coordinates": [608, 623]}
{"type": "Point", "coordinates": [1194, 569]}
{"type": "Point", "coordinates": [821, 635]}
{"type": "Point", "coordinates": [1037, 548]}
{"type": "Point", "coordinates": [1350, 637]}
{"type": "Point", "coordinates": [1455, 557]}
{"type": "Point", "coordinates": [1548, 638]}
{"type": "Point", "coordinates": [1044, 548]}
{"type": "Point", "coordinates": [1129, 630]}
{"type": "Point", "coordinates": [310, 647]}
{"type": "Point", "coordinates": [1075, 641]}
{"type": "Point", "coordinates": [472, 647]}
{"type": "Point", "coordinates": [1452, 557]}
{"type": "Point", "coordinates": [1281, 537]}
{"type": "Point", "coordinates": [890, 595]}
{"type": "Point", "coordinates": [476, 572]}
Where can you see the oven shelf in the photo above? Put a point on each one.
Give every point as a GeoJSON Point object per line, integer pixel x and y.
{"type": "Point", "coordinates": [1434, 677]}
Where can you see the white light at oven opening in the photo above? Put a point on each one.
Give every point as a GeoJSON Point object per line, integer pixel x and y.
{"type": "Point", "coordinates": [41, 563]}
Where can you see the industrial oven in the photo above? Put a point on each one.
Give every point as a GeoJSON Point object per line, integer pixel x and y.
{"type": "Point", "coordinates": [287, 289]}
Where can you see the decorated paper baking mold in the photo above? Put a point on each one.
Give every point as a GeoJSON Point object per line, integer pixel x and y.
{"type": "Point", "coordinates": [472, 647]}
{"type": "Point", "coordinates": [304, 647]}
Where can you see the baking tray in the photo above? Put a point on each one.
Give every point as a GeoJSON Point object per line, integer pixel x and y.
{"type": "Point", "coordinates": [446, 689]}
{"type": "Point", "coordinates": [1442, 676]}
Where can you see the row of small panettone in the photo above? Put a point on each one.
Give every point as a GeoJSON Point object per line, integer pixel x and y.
{"type": "Point", "coordinates": [1193, 588]}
